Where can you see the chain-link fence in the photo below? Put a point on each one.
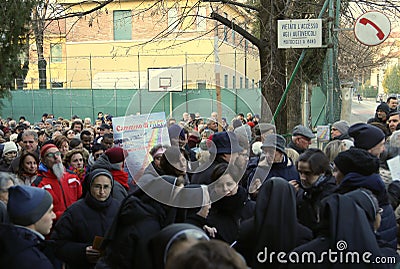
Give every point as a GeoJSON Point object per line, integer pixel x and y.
{"type": "Point", "coordinates": [86, 103]}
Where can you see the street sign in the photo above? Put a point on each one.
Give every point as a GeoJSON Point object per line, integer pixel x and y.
{"type": "Point", "coordinates": [302, 33]}
{"type": "Point", "coordinates": [372, 28]}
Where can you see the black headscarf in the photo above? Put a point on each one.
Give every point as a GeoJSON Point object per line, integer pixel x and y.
{"type": "Point", "coordinates": [344, 219]}
{"type": "Point", "coordinates": [275, 219]}
{"type": "Point", "coordinates": [92, 201]}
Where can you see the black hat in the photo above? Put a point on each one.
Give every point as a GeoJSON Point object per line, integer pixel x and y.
{"type": "Point", "coordinates": [358, 161]}
{"type": "Point", "coordinates": [366, 136]}
{"type": "Point", "coordinates": [225, 143]}
{"type": "Point", "coordinates": [26, 205]}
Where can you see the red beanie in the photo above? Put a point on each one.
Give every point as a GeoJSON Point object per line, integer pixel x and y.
{"type": "Point", "coordinates": [45, 148]}
{"type": "Point", "coordinates": [115, 155]}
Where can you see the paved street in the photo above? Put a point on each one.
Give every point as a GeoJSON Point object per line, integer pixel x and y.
{"type": "Point", "coordinates": [362, 111]}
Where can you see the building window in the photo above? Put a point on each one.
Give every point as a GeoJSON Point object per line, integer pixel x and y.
{"type": "Point", "coordinates": [234, 82]}
{"type": "Point", "coordinates": [252, 83]}
{"type": "Point", "coordinates": [246, 83]}
{"type": "Point", "coordinates": [226, 81]}
{"type": "Point", "coordinates": [201, 20]}
{"type": "Point", "coordinates": [122, 25]}
{"type": "Point", "coordinates": [225, 29]}
{"type": "Point", "coordinates": [201, 85]}
{"type": "Point", "coordinates": [241, 82]}
{"type": "Point", "coordinates": [56, 53]}
{"type": "Point", "coordinates": [55, 84]}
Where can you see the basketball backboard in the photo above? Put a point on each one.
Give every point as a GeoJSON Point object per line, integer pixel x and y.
{"type": "Point", "coordinates": [165, 79]}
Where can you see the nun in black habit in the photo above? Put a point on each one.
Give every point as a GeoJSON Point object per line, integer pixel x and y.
{"type": "Point", "coordinates": [274, 227]}
{"type": "Point", "coordinates": [347, 231]}
{"type": "Point", "coordinates": [142, 215]}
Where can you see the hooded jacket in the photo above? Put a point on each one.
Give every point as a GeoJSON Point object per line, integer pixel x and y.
{"type": "Point", "coordinates": [65, 192]}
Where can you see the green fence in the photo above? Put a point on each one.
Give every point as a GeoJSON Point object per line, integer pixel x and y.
{"type": "Point", "coordinates": [86, 103]}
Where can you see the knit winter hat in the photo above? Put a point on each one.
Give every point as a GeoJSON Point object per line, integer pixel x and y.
{"type": "Point", "coordinates": [9, 147]}
{"type": "Point", "coordinates": [45, 148]}
{"type": "Point", "coordinates": [116, 155]}
{"type": "Point", "coordinates": [342, 126]}
{"type": "Point", "coordinates": [358, 161]}
{"type": "Point", "coordinates": [13, 137]}
{"type": "Point", "coordinates": [26, 205]}
{"type": "Point", "coordinates": [366, 136]}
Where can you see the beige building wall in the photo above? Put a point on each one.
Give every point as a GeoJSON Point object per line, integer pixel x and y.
{"type": "Point", "coordinates": [91, 58]}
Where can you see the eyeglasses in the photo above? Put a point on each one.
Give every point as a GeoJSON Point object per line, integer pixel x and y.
{"type": "Point", "coordinates": [53, 154]}
{"type": "Point", "coordinates": [70, 132]}
{"type": "Point", "coordinates": [28, 142]}
{"type": "Point", "coordinates": [99, 187]}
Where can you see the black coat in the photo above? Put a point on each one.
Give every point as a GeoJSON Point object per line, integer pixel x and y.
{"type": "Point", "coordinates": [227, 213]}
{"type": "Point", "coordinates": [79, 225]}
{"type": "Point", "coordinates": [309, 201]}
{"type": "Point", "coordinates": [21, 248]}
{"type": "Point", "coordinates": [127, 241]}
{"type": "Point", "coordinates": [202, 175]}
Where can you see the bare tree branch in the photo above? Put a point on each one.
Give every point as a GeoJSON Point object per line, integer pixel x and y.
{"type": "Point", "coordinates": [254, 40]}
{"type": "Point", "coordinates": [234, 3]}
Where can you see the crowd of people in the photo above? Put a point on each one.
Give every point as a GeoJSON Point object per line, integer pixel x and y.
{"type": "Point", "coordinates": [218, 194]}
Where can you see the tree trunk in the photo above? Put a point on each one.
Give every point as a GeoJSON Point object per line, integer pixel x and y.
{"type": "Point", "coordinates": [38, 29]}
{"type": "Point", "coordinates": [272, 62]}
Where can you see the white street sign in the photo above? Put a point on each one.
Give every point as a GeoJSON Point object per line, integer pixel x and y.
{"type": "Point", "coordinates": [302, 33]}
{"type": "Point", "coordinates": [372, 28]}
